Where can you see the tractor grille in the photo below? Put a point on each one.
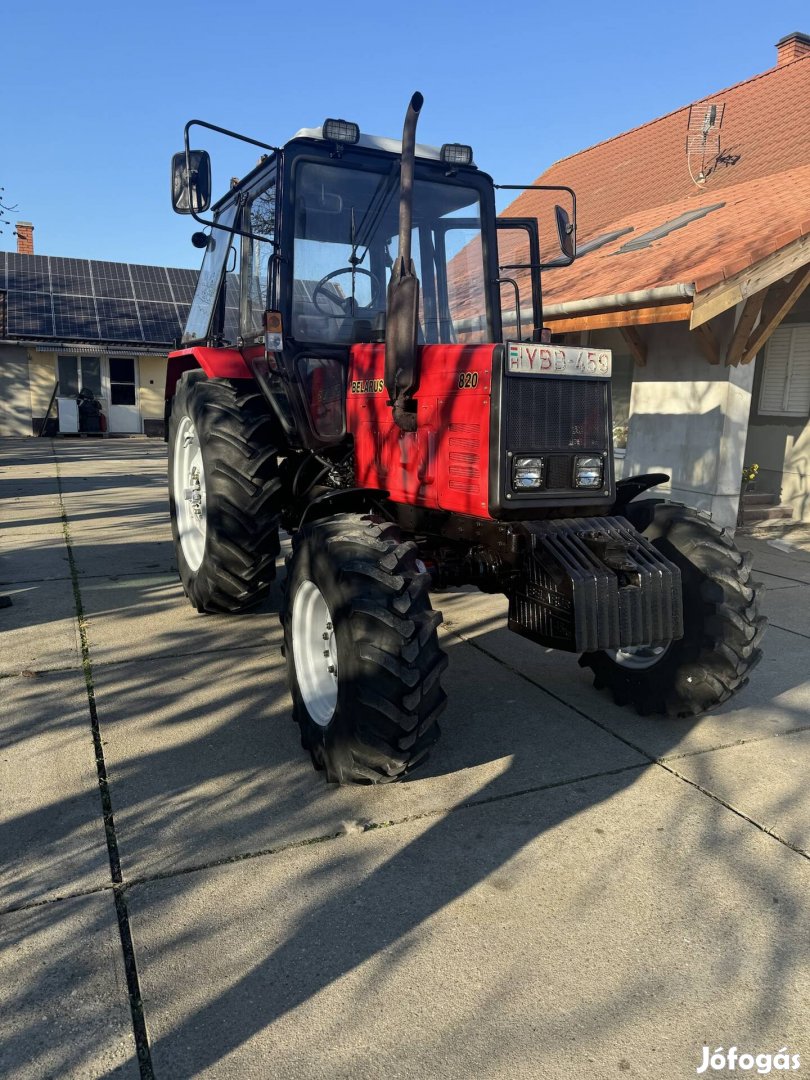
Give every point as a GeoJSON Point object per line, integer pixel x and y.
{"type": "Point", "coordinates": [556, 418]}
{"type": "Point", "coordinates": [544, 413]}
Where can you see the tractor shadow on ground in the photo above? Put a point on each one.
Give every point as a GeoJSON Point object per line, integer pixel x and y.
{"type": "Point", "coordinates": [225, 777]}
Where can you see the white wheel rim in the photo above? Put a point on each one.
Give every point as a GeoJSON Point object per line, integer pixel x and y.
{"type": "Point", "coordinates": [315, 652]}
{"type": "Point", "coordinates": [189, 493]}
{"type": "Point", "coordinates": [638, 657]}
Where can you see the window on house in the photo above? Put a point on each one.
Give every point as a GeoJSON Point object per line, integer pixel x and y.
{"type": "Point", "coordinates": [79, 373]}
{"type": "Point", "coordinates": [785, 389]}
{"type": "Point", "coordinates": [122, 380]}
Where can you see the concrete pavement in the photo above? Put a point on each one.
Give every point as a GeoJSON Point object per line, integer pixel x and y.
{"type": "Point", "coordinates": [565, 890]}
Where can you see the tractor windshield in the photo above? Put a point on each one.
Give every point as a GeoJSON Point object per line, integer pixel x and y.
{"type": "Point", "coordinates": [346, 227]}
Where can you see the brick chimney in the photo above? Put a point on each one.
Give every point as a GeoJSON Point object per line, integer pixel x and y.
{"type": "Point", "coordinates": [792, 47]}
{"type": "Point", "coordinates": [25, 238]}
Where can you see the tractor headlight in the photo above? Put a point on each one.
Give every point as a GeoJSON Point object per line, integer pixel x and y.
{"type": "Point", "coordinates": [588, 471]}
{"type": "Point", "coordinates": [456, 154]}
{"type": "Point", "coordinates": [528, 473]}
{"type": "Point", "coordinates": [341, 131]}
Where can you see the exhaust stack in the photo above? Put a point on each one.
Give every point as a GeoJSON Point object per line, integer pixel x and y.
{"type": "Point", "coordinates": [403, 291]}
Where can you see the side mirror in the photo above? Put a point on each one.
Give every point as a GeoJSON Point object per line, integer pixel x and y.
{"type": "Point", "coordinates": [191, 186]}
{"type": "Point", "coordinates": [566, 232]}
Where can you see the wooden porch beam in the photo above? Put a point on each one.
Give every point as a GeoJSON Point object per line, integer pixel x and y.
{"type": "Point", "coordinates": [725, 294]}
{"type": "Point", "coordinates": [708, 343]}
{"type": "Point", "coordinates": [606, 320]}
{"type": "Point", "coordinates": [637, 346]}
{"type": "Point", "coordinates": [748, 317]}
{"type": "Point", "coordinates": [778, 303]}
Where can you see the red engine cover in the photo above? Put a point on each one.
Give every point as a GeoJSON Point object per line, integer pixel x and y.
{"type": "Point", "coordinates": [444, 464]}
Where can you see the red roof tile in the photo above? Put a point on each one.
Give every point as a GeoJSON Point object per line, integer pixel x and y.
{"type": "Point", "coordinates": [754, 221]}
{"type": "Point", "coordinates": [641, 179]}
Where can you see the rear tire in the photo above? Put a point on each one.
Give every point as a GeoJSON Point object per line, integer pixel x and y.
{"type": "Point", "coordinates": [363, 656]}
{"type": "Point", "coordinates": [722, 625]}
{"type": "Point", "coordinates": [224, 492]}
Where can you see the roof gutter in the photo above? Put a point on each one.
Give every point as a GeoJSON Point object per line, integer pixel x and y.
{"type": "Point", "coordinates": [619, 301]}
{"type": "Point", "coordinates": [88, 349]}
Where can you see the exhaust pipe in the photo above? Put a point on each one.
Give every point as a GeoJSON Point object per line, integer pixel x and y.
{"type": "Point", "coordinates": [403, 292]}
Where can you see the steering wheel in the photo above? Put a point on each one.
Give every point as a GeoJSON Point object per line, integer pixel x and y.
{"type": "Point", "coordinates": [347, 304]}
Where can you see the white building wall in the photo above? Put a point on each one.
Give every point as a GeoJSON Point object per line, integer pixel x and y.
{"type": "Point", "coordinates": [15, 393]}
{"type": "Point", "coordinates": [689, 418]}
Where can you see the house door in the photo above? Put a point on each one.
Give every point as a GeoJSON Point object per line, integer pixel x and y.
{"type": "Point", "coordinates": [124, 415]}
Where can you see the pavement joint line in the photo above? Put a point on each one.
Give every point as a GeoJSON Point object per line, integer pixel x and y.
{"type": "Point", "coordinates": [787, 629]}
{"type": "Point", "coordinates": [367, 826]}
{"type": "Point", "coordinates": [783, 577]}
{"type": "Point", "coordinates": [74, 894]}
{"type": "Point", "coordinates": [374, 826]}
{"type": "Point", "coordinates": [651, 759]}
{"type": "Point", "coordinates": [39, 673]}
{"type": "Point", "coordinates": [733, 745]}
{"type": "Point", "coordinates": [140, 1032]}
{"type": "Point", "coordinates": [735, 810]}
{"type": "Point", "coordinates": [90, 577]}
{"type": "Point", "coordinates": [196, 652]}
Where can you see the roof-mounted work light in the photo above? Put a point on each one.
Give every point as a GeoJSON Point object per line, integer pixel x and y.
{"type": "Point", "coordinates": [454, 153]}
{"type": "Point", "coordinates": [341, 131]}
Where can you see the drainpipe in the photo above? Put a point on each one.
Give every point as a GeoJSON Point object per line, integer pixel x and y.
{"type": "Point", "coordinates": [619, 301]}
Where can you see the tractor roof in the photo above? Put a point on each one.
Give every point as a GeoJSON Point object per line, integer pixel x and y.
{"type": "Point", "coordinates": [374, 142]}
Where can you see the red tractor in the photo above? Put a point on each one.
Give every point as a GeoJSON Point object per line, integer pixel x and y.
{"type": "Point", "coordinates": [344, 376]}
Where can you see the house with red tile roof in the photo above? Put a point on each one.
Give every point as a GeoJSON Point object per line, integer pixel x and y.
{"type": "Point", "coordinates": [694, 266]}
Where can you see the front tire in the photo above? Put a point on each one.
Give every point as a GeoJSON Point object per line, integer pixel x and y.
{"type": "Point", "coordinates": [224, 492]}
{"type": "Point", "coordinates": [722, 625]}
{"type": "Point", "coordinates": [362, 652]}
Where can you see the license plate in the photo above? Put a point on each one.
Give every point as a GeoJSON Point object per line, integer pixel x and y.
{"type": "Point", "coordinates": [525, 359]}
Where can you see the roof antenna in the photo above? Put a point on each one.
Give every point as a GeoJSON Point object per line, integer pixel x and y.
{"type": "Point", "coordinates": [703, 139]}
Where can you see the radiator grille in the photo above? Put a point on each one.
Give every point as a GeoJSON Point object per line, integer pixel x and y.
{"type": "Point", "coordinates": [556, 414]}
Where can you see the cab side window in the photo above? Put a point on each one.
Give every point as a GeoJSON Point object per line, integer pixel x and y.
{"type": "Point", "coordinates": [261, 221]}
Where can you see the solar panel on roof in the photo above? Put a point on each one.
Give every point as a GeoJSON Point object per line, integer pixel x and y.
{"type": "Point", "coordinates": [27, 273]}
{"type": "Point", "coordinates": [153, 291]}
{"type": "Point", "coordinates": [140, 272]}
{"type": "Point", "coordinates": [183, 293]}
{"type": "Point", "coordinates": [180, 276]}
{"type": "Point", "coordinates": [151, 283]}
{"type": "Point", "coordinates": [112, 279]}
{"type": "Point", "coordinates": [29, 313]}
{"type": "Point", "coordinates": [160, 323]}
{"type": "Point", "coordinates": [84, 300]}
{"type": "Point", "coordinates": [119, 319]}
{"type": "Point", "coordinates": [71, 276]}
{"type": "Point", "coordinates": [230, 329]}
{"type": "Point", "coordinates": [75, 317]}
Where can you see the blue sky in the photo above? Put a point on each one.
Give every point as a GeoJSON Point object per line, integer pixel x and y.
{"type": "Point", "coordinates": [96, 94]}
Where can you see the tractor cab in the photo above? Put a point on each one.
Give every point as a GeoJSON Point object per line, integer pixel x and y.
{"type": "Point", "coordinates": [313, 230]}
{"type": "Point", "coordinates": [311, 235]}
